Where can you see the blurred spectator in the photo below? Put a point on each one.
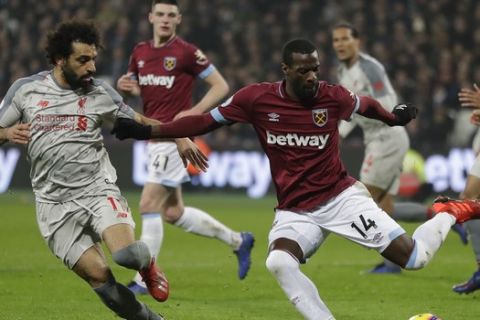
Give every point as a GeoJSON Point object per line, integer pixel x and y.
{"type": "Point", "coordinates": [428, 47]}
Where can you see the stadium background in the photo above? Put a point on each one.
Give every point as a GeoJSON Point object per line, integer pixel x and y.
{"type": "Point", "coordinates": [430, 50]}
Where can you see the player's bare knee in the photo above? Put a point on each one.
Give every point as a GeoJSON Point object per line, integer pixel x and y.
{"type": "Point", "coordinates": [99, 276]}
{"type": "Point", "coordinates": [135, 256]}
{"type": "Point", "coordinates": [279, 261]}
{"type": "Point", "coordinates": [172, 214]}
{"type": "Point", "coordinates": [148, 204]}
{"type": "Point", "coordinates": [399, 250]}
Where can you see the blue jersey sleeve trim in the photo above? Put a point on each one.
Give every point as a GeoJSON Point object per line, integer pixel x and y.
{"type": "Point", "coordinates": [208, 71]}
{"type": "Point", "coordinates": [219, 117]}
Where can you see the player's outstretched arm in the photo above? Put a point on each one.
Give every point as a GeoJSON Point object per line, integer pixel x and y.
{"type": "Point", "coordinates": [18, 133]}
{"type": "Point", "coordinates": [401, 114]}
{"type": "Point", "coordinates": [185, 127]}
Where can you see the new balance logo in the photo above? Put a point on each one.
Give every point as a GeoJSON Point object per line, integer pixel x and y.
{"type": "Point", "coordinates": [43, 103]}
{"type": "Point", "coordinates": [273, 117]}
{"type": "Point", "coordinates": [153, 80]}
{"type": "Point", "coordinates": [295, 140]}
{"type": "Point", "coordinates": [122, 215]}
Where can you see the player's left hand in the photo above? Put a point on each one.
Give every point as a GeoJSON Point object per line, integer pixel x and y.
{"type": "Point", "coordinates": [189, 151]}
{"type": "Point", "coordinates": [404, 114]}
{"type": "Point", "coordinates": [186, 113]}
{"type": "Point", "coordinates": [128, 128]}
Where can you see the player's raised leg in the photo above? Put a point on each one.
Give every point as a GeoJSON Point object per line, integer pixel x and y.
{"type": "Point", "coordinates": [416, 252]}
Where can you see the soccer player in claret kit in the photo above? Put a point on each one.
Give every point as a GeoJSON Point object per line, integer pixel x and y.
{"type": "Point", "coordinates": [296, 121]}
{"type": "Point", "coordinates": [59, 114]}
{"type": "Point", "coordinates": [162, 71]}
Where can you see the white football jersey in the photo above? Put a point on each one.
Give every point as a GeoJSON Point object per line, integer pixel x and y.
{"type": "Point", "coordinates": [66, 152]}
{"type": "Point", "coordinates": [367, 77]}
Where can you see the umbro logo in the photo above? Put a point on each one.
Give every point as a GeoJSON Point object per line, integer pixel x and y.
{"type": "Point", "coordinates": [140, 64]}
{"type": "Point", "coordinates": [273, 117]}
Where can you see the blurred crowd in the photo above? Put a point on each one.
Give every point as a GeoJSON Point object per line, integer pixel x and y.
{"type": "Point", "coordinates": [430, 49]}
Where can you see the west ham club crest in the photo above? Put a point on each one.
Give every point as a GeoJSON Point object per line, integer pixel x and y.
{"type": "Point", "coordinates": [169, 63]}
{"type": "Point", "coordinates": [320, 117]}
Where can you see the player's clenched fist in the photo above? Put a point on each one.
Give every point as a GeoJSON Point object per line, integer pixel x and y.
{"type": "Point", "coordinates": [127, 128]}
{"type": "Point", "coordinates": [404, 114]}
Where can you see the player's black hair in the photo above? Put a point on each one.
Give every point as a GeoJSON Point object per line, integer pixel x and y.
{"type": "Point", "coordinates": [296, 46]}
{"type": "Point", "coordinates": [347, 25]}
{"type": "Point", "coordinates": [172, 2]}
{"type": "Point", "coordinates": [59, 41]}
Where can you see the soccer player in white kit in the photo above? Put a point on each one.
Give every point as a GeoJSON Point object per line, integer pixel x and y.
{"type": "Point", "coordinates": [471, 99]}
{"type": "Point", "coordinates": [385, 146]}
{"type": "Point", "coordinates": [162, 71]}
{"type": "Point", "coordinates": [58, 115]}
{"type": "Point", "coordinates": [296, 121]}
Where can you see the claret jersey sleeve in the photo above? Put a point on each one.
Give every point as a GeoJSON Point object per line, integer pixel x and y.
{"type": "Point", "coordinates": [348, 101]}
{"type": "Point", "coordinates": [237, 108]}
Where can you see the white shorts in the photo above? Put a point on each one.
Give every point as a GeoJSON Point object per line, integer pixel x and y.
{"type": "Point", "coordinates": [352, 214]}
{"type": "Point", "coordinates": [165, 166]}
{"type": "Point", "coordinates": [383, 161]}
{"type": "Point", "coordinates": [71, 227]}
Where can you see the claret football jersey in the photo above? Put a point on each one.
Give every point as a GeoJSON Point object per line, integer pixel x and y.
{"type": "Point", "coordinates": [301, 141]}
{"type": "Point", "coordinates": [166, 75]}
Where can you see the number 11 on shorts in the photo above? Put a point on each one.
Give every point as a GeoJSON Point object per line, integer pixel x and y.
{"type": "Point", "coordinates": [122, 213]}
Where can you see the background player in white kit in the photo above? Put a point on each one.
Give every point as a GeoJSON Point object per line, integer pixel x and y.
{"type": "Point", "coordinates": [77, 201]}
{"type": "Point", "coordinates": [471, 99]}
{"type": "Point", "coordinates": [316, 196]}
{"type": "Point", "coordinates": [385, 146]}
{"type": "Point", "coordinates": [162, 71]}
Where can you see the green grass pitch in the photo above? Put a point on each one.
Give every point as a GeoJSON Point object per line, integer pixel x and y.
{"type": "Point", "coordinates": [202, 273]}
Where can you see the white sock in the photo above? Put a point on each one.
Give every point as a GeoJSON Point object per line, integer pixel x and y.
{"type": "Point", "coordinates": [299, 289]}
{"type": "Point", "coordinates": [199, 222]}
{"type": "Point", "coordinates": [152, 235]}
{"type": "Point", "coordinates": [428, 239]}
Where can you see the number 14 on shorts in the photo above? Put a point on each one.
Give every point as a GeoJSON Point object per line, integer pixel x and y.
{"type": "Point", "coordinates": [365, 225]}
{"type": "Point", "coordinates": [118, 207]}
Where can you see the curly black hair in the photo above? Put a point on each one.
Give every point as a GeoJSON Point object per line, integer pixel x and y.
{"type": "Point", "coordinates": [59, 41]}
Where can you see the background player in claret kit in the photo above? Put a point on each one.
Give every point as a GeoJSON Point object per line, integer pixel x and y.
{"type": "Point", "coordinates": [296, 121]}
{"type": "Point", "coordinates": [162, 71]}
{"type": "Point", "coordinates": [77, 201]}
{"type": "Point", "coordinates": [385, 146]}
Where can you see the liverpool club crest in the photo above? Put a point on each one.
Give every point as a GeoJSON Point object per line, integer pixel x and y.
{"type": "Point", "coordinates": [320, 117]}
{"type": "Point", "coordinates": [169, 63]}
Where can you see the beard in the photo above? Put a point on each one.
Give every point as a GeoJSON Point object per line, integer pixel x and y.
{"type": "Point", "coordinates": [305, 93]}
{"type": "Point", "coordinates": [75, 81]}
